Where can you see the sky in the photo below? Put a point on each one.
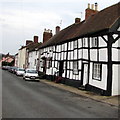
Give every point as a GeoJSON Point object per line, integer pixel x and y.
{"type": "Point", "coordinates": [20, 20]}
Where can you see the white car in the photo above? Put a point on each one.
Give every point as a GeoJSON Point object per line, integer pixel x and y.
{"type": "Point", "coordinates": [20, 71]}
{"type": "Point", "coordinates": [31, 75]}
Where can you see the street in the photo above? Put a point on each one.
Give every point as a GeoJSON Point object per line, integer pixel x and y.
{"type": "Point", "coordinates": [25, 99]}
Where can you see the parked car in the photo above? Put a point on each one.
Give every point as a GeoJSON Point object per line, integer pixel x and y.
{"type": "Point", "coordinates": [14, 69]}
{"type": "Point", "coordinates": [30, 74]}
{"type": "Point", "coordinates": [5, 67]}
{"type": "Point", "coordinates": [20, 71]}
{"type": "Point", "coordinates": [10, 69]}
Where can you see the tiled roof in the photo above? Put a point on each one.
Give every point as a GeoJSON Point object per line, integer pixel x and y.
{"type": "Point", "coordinates": [34, 46]}
{"type": "Point", "coordinates": [28, 46]}
{"type": "Point", "coordinates": [103, 20]}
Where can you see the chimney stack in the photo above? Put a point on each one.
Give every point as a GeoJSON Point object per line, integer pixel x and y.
{"type": "Point", "coordinates": [92, 6]}
{"type": "Point", "coordinates": [35, 39]}
{"type": "Point", "coordinates": [88, 5]}
{"type": "Point", "coordinates": [91, 11]}
{"type": "Point", "coordinates": [57, 29]}
{"type": "Point", "coordinates": [96, 6]}
{"type": "Point", "coordinates": [77, 20]}
{"type": "Point", "coordinates": [47, 35]}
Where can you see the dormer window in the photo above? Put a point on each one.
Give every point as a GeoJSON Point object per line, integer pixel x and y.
{"type": "Point", "coordinates": [94, 42]}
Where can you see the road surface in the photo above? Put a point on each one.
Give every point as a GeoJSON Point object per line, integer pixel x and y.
{"type": "Point", "coordinates": [24, 99]}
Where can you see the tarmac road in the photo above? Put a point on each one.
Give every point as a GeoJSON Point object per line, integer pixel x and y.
{"type": "Point", "coordinates": [24, 99]}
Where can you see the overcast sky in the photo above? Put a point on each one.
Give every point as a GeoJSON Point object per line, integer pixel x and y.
{"type": "Point", "coordinates": [20, 20]}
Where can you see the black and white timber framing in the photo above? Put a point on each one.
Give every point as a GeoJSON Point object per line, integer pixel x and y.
{"type": "Point", "coordinates": [89, 60]}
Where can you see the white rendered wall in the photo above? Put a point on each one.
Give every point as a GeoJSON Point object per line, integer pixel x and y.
{"type": "Point", "coordinates": [115, 80]}
{"type": "Point", "coordinates": [103, 55]}
{"type": "Point", "coordinates": [93, 54]}
{"type": "Point", "coordinates": [21, 57]}
{"type": "Point", "coordinates": [85, 54]}
{"type": "Point", "coordinates": [100, 84]}
{"type": "Point", "coordinates": [101, 41]}
{"type": "Point", "coordinates": [116, 68]}
{"type": "Point", "coordinates": [115, 51]}
{"type": "Point", "coordinates": [31, 60]}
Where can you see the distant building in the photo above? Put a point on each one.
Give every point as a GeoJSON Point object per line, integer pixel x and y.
{"type": "Point", "coordinates": [16, 60]}
{"type": "Point", "coordinates": [33, 57]}
{"type": "Point", "coordinates": [23, 52]}
{"type": "Point", "coordinates": [7, 60]}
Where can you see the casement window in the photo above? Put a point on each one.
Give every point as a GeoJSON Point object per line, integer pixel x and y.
{"type": "Point", "coordinates": [75, 44]}
{"type": "Point", "coordinates": [75, 67]}
{"type": "Point", "coordinates": [94, 42]}
{"type": "Point", "coordinates": [97, 70]}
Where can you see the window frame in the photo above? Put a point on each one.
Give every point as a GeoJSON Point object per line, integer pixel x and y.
{"type": "Point", "coordinates": [83, 42]}
{"type": "Point", "coordinates": [75, 69]}
{"type": "Point", "coordinates": [97, 71]}
{"type": "Point", "coordinates": [94, 42]}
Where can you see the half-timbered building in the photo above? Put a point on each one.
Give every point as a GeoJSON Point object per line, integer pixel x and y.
{"type": "Point", "coordinates": [86, 53]}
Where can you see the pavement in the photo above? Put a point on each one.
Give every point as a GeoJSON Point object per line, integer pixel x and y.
{"type": "Point", "coordinates": [112, 100]}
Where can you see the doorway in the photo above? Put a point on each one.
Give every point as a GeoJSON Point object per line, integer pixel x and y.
{"type": "Point", "coordinates": [44, 66]}
{"type": "Point", "coordinates": [61, 68]}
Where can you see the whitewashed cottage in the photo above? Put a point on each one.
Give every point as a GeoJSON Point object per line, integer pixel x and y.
{"type": "Point", "coordinates": [86, 53]}
{"type": "Point", "coordinates": [33, 55]}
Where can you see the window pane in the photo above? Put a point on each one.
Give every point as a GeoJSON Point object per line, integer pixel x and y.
{"type": "Point", "coordinates": [96, 71]}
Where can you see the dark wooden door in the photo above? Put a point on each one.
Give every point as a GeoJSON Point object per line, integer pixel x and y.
{"type": "Point", "coordinates": [44, 66]}
{"type": "Point", "coordinates": [61, 68]}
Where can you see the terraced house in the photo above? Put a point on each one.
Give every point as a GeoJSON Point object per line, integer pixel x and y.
{"type": "Point", "coordinates": [86, 53]}
{"type": "Point", "coordinates": [23, 53]}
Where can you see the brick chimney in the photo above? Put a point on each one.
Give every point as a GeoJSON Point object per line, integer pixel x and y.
{"type": "Point", "coordinates": [28, 41]}
{"type": "Point", "coordinates": [47, 35]}
{"type": "Point", "coordinates": [77, 20]}
{"type": "Point", "coordinates": [35, 39]}
{"type": "Point", "coordinates": [57, 29]}
{"type": "Point", "coordinates": [91, 11]}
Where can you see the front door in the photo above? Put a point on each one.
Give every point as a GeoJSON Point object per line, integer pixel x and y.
{"type": "Point", "coordinates": [60, 68]}
{"type": "Point", "coordinates": [85, 74]}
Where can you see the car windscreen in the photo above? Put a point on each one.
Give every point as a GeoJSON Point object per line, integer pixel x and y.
{"type": "Point", "coordinates": [31, 71]}
{"type": "Point", "coordinates": [21, 70]}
